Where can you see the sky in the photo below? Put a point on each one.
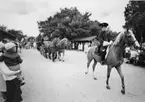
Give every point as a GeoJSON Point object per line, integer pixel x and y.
{"type": "Point", "coordinates": [24, 14]}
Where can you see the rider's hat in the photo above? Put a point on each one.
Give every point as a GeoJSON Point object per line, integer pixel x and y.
{"type": "Point", "coordinates": [103, 24]}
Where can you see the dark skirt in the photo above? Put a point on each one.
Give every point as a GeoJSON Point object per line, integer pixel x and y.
{"type": "Point", "coordinates": [13, 90]}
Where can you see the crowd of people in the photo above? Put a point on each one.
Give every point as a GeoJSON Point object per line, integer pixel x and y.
{"type": "Point", "coordinates": [133, 54]}
{"type": "Point", "coordinates": [80, 46]}
{"type": "Point", "coordinates": [11, 78]}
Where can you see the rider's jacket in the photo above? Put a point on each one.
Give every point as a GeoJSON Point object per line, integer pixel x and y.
{"type": "Point", "coordinates": [101, 36]}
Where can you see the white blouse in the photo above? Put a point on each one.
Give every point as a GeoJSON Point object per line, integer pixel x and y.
{"type": "Point", "coordinates": [6, 72]}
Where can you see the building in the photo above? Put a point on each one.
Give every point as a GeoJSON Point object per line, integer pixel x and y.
{"type": "Point", "coordinates": [83, 41]}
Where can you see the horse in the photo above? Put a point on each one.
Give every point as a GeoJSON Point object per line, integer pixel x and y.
{"type": "Point", "coordinates": [56, 48]}
{"type": "Point", "coordinates": [47, 47]}
{"type": "Point", "coordinates": [51, 48]}
{"type": "Point", "coordinates": [61, 48]}
{"type": "Point", "coordinates": [114, 58]}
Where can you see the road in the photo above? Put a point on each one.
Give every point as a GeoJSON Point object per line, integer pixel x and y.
{"type": "Point", "coordinates": [48, 81]}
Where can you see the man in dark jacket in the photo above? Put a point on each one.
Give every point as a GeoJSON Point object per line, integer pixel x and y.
{"type": "Point", "coordinates": [101, 37]}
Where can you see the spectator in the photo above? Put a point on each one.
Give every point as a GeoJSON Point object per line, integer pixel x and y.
{"type": "Point", "coordinates": [13, 82]}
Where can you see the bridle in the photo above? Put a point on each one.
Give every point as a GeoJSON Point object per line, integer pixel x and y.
{"type": "Point", "coordinates": [132, 42]}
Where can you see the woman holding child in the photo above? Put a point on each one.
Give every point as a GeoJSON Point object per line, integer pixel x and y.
{"type": "Point", "coordinates": [11, 73]}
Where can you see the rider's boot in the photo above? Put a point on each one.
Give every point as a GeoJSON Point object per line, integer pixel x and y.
{"type": "Point", "coordinates": [103, 59]}
{"type": "Point", "coordinates": [97, 50]}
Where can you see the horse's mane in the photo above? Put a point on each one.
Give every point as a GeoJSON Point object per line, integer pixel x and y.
{"type": "Point", "coordinates": [118, 38]}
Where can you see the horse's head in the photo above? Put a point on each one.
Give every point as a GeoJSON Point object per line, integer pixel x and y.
{"type": "Point", "coordinates": [126, 37]}
{"type": "Point", "coordinates": [130, 38]}
{"type": "Point", "coordinates": [65, 41]}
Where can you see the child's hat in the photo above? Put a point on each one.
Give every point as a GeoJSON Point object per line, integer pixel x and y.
{"type": "Point", "coordinates": [9, 45]}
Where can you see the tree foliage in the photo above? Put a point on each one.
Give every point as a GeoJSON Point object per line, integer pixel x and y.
{"type": "Point", "coordinates": [17, 33]}
{"type": "Point", "coordinates": [69, 23]}
{"type": "Point", "coordinates": [135, 18]}
{"type": "Point", "coordinates": [3, 27]}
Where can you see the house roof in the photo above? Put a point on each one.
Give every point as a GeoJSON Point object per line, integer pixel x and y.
{"type": "Point", "coordinates": [85, 38]}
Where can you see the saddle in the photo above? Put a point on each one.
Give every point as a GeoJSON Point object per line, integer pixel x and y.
{"type": "Point", "coordinates": [103, 48]}
{"type": "Point", "coordinates": [103, 52]}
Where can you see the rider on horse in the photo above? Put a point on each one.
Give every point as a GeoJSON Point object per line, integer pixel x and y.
{"type": "Point", "coordinates": [101, 39]}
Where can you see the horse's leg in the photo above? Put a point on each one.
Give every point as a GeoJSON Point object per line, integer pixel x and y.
{"type": "Point", "coordinates": [59, 55]}
{"type": "Point", "coordinates": [46, 55]}
{"type": "Point", "coordinates": [88, 64]}
{"type": "Point", "coordinates": [53, 56]}
{"type": "Point", "coordinates": [94, 65]}
{"type": "Point", "coordinates": [63, 52]}
{"type": "Point", "coordinates": [56, 55]}
{"type": "Point", "coordinates": [49, 55]}
{"type": "Point", "coordinates": [108, 76]}
{"type": "Point", "coordinates": [119, 70]}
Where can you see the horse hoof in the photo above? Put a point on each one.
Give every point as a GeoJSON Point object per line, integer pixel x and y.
{"type": "Point", "coordinates": [108, 87]}
{"type": "Point", "coordinates": [95, 78]}
{"type": "Point", "coordinates": [123, 92]}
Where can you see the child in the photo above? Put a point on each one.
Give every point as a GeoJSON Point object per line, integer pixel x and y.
{"type": "Point", "coordinates": [12, 60]}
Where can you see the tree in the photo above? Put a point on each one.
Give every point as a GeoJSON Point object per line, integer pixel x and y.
{"type": "Point", "coordinates": [17, 33]}
{"type": "Point", "coordinates": [39, 38]}
{"type": "Point", "coordinates": [3, 27]}
{"type": "Point", "coordinates": [135, 18]}
{"type": "Point", "coordinates": [69, 23]}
